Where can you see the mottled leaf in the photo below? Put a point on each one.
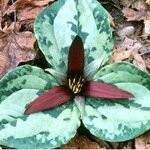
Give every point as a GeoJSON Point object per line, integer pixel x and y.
{"type": "Point", "coordinates": [25, 77]}
{"type": "Point", "coordinates": [120, 120]}
{"type": "Point", "coordinates": [47, 129]}
{"type": "Point", "coordinates": [122, 72]}
{"type": "Point", "coordinates": [55, 35]}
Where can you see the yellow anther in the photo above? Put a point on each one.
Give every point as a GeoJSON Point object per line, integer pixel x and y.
{"type": "Point", "coordinates": [76, 84]}
{"type": "Point", "coordinates": [74, 88]}
{"type": "Point", "coordinates": [70, 85]}
{"type": "Point", "coordinates": [76, 91]}
{"type": "Point", "coordinates": [74, 81]}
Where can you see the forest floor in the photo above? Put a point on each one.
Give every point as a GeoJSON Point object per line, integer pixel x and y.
{"type": "Point", "coordinates": [130, 20]}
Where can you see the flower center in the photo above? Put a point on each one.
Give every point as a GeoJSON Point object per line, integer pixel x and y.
{"type": "Point", "coordinates": [76, 84]}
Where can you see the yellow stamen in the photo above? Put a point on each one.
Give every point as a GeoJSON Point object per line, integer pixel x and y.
{"type": "Point", "coordinates": [70, 85]}
{"type": "Point", "coordinates": [74, 81]}
{"type": "Point", "coordinates": [76, 84]}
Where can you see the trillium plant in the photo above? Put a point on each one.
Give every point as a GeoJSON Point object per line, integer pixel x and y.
{"type": "Point", "coordinates": [75, 84]}
{"type": "Point", "coordinates": [44, 108]}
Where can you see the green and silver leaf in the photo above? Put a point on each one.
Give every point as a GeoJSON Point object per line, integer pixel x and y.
{"type": "Point", "coordinates": [47, 129]}
{"type": "Point", "coordinates": [57, 25]}
{"type": "Point", "coordinates": [120, 120]}
{"type": "Point", "coordinates": [25, 77]}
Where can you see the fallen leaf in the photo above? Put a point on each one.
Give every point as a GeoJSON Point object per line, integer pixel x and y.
{"type": "Point", "coordinates": [130, 44]}
{"type": "Point", "coordinates": [126, 31]}
{"type": "Point", "coordinates": [139, 5]}
{"type": "Point", "coordinates": [126, 3]}
{"type": "Point", "coordinates": [146, 30]}
{"type": "Point", "coordinates": [27, 9]}
{"type": "Point", "coordinates": [148, 2]}
{"type": "Point", "coordinates": [29, 13]}
{"type": "Point", "coordinates": [41, 3]}
{"type": "Point", "coordinates": [120, 55]}
{"type": "Point", "coordinates": [3, 7]}
{"type": "Point", "coordinates": [133, 15]}
{"type": "Point", "coordinates": [82, 142]}
{"type": "Point", "coordinates": [139, 11]}
{"type": "Point", "coordinates": [139, 61]}
{"type": "Point", "coordinates": [143, 141]}
{"type": "Point", "coordinates": [20, 4]}
{"type": "Point", "coordinates": [15, 47]}
{"type": "Point", "coordinates": [147, 61]}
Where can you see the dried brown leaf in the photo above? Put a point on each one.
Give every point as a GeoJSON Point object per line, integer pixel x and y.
{"type": "Point", "coordinates": [138, 11]}
{"type": "Point", "coordinates": [27, 9]}
{"type": "Point", "coordinates": [146, 30]}
{"type": "Point", "coordinates": [8, 29]}
{"type": "Point", "coordinates": [126, 31]}
{"type": "Point", "coordinates": [126, 3]}
{"type": "Point", "coordinates": [148, 2]}
{"type": "Point", "coordinates": [120, 55]}
{"type": "Point", "coordinates": [133, 15]}
{"type": "Point", "coordinates": [82, 142]}
{"type": "Point", "coordinates": [147, 61]}
{"type": "Point", "coordinates": [20, 4]}
{"type": "Point", "coordinates": [3, 7]}
{"type": "Point", "coordinates": [15, 47]}
{"type": "Point", "coordinates": [130, 44]}
{"type": "Point", "coordinates": [41, 3]}
{"type": "Point", "coordinates": [139, 61]}
{"type": "Point", "coordinates": [139, 5]}
{"type": "Point", "coordinates": [143, 142]}
{"type": "Point", "coordinates": [29, 13]}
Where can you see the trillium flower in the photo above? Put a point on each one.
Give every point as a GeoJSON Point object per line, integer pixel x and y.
{"type": "Point", "coordinates": [75, 84]}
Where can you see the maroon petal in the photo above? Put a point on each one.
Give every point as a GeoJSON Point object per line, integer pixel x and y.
{"type": "Point", "coordinates": [49, 99]}
{"type": "Point", "coordinates": [76, 57]}
{"type": "Point", "coordinates": [102, 90]}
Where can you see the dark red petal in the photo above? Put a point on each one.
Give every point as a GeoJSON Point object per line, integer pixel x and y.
{"type": "Point", "coordinates": [102, 90]}
{"type": "Point", "coordinates": [49, 99]}
{"type": "Point", "coordinates": [76, 57]}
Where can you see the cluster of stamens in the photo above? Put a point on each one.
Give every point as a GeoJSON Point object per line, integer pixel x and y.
{"type": "Point", "coordinates": [76, 84]}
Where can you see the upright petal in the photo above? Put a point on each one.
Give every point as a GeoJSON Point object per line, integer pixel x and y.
{"type": "Point", "coordinates": [52, 98]}
{"type": "Point", "coordinates": [76, 57]}
{"type": "Point", "coordinates": [102, 90]}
